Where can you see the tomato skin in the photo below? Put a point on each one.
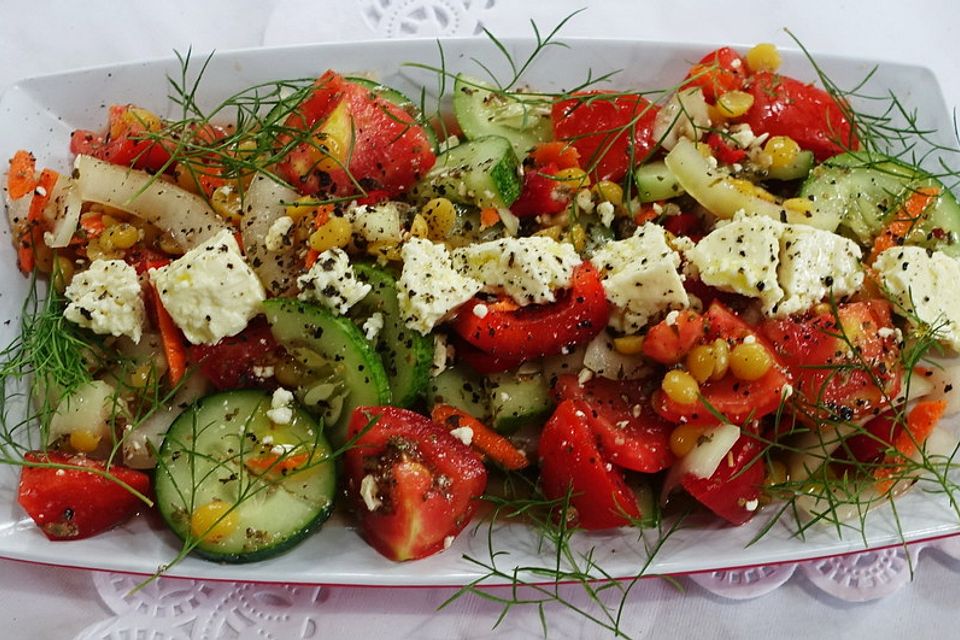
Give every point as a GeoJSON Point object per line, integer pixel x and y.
{"type": "Point", "coordinates": [70, 504]}
{"type": "Point", "coordinates": [230, 363]}
{"type": "Point", "coordinates": [718, 72]}
{"type": "Point", "coordinates": [125, 146]}
{"type": "Point", "coordinates": [783, 106]}
{"type": "Point", "coordinates": [737, 400]}
{"type": "Point", "coordinates": [428, 481]}
{"type": "Point", "coordinates": [826, 375]}
{"type": "Point", "coordinates": [723, 151]}
{"type": "Point", "coordinates": [579, 314]}
{"type": "Point", "coordinates": [387, 150]}
{"type": "Point", "coordinates": [541, 193]}
{"type": "Point", "coordinates": [731, 489]}
{"type": "Point", "coordinates": [668, 342]}
{"type": "Point", "coordinates": [638, 442]}
{"type": "Point", "coordinates": [571, 461]}
{"type": "Point", "coordinates": [600, 130]}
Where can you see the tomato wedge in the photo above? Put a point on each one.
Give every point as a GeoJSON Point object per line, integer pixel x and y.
{"type": "Point", "coordinates": [515, 336]}
{"type": "Point", "coordinates": [608, 131]}
{"type": "Point", "coordinates": [570, 461]}
{"type": "Point", "coordinates": [629, 434]}
{"type": "Point", "coordinates": [127, 141]}
{"type": "Point", "coordinates": [241, 361]}
{"type": "Point", "coordinates": [717, 73]}
{"type": "Point", "coordinates": [412, 484]}
{"type": "Point", "coordinates": [670, 340]}
{"type": "Point", "coordinates": [783, 106]}
{"type": "Point", "coordinates": [733, 491]}
{"type": "Point", "coordinates": [73, 503]}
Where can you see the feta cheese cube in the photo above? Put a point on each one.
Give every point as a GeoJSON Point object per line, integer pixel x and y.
{"type": "Point", "coordinates": [529, 270]}
{"type": "Point", "coordinates": [920, 285]}
{"type": "Point", "coordinates": [376, 223]}
{"type": "Point", "coordinates": [742, 256]}
{"type": "Point", "coordinates": [281, 409]}
{"type": "Point", "coordinates": [332, 282]}
{"type": "Point", "coordinates": [641, 278]}
{"type": "Point", "coordinates": [429, 287]}
{"type": "Point", "coordinates": [106, 299]}
{"type": "Point", "coordinates": [210, 291]}
{"type": "Point", "coordinates": [372, 326]}
{"type": "Point", "coordinates": [815, 265]}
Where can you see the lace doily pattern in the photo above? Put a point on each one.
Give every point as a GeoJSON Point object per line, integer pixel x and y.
{"type": "Point", "coordinates": [425, 18]}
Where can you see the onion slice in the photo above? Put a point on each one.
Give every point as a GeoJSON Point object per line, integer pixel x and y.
{"type": "Point", "coordinates": [703, 460]}
{"type": "Point", "coordinates": [263, 203]}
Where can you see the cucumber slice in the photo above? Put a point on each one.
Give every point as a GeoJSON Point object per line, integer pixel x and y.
{"type": "Point", "coordinates": [517, 400]}
{"type": "Point", "coordinates": [406, 354]}
{"type": "Point", "coordinates": [862, 190]}
{"type": "Point", "coordinates": [462, 389]}
{"type": "Point", "coordinates": [480, 111]}
{"type": "Point", "coordinates": [484, 172]}
{"type": "Point", "coordinates": [656, 182]}
{"type": "Point", "coordinates": [799, 169]}
{"type": "Point", "coordinates": [225, 450]}
{"type": "Point", "coordinates": [317, 338]}
{"type": "Point", "coordinates": [409, 106]}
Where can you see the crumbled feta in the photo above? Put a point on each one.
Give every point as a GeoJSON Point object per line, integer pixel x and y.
{"type": "Point", "coordinates": [332, 282]}
{"type": "Point", "coordinates": [106, 299]}
{"type": "Point", "coordinates": [529, 270]}
{"type": "Point", "coordinates": [373, 325]}
{"type": "Point", "coordinates": [463, 434]}
{"type": "Point", "coordinates": [584, 200]}
{"type": "Point", "coordinates": [281, 407]}
{"type": "Point", "coordinates": [607, 213]}
{"type": "Point", "coordinates": [277, 234]}
{"type": "Point", "coordinates": [429, 287]}
{"type": "Point", "coordinates": [481, 311]}
{"type": "Point", "coordinates": [369, 492]}
{"type": "Point", "coordinates": [448, 542]}
{"type": "Point", "coordinates": [443, 353]}
{"type": "Point", "coordinates": [814, 265]}
{"type": "Point", "coordinates": [210, 291]}
{"type": "Point", "coordinates": [742, 256]}
{"type": "Point", "coordinates": [919, 285]}
{"type": "Point", "coordinates": [376, 223]}
{"type": "Point", "coordinates": [263, 372]}
{"type": "Point", "coordinates": [640, 277]}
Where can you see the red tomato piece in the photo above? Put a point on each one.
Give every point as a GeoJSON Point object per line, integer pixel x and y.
{"type": "Point", "coordinates": [579, 314]}
{"type": "Point", "coordinates": [738, 401]}
{"type": "Point", "coordinates": [368, 141]}
{"type": "Point", "coordinates": [830, 377]}
{"type": "Point", "coordinates": [73, 503]}
{"type": "Point", "coordinates": [126, 142]}
{"type": "Point", "coordinates": [685, 224]}
{"type": "Point", "coordinates": [629, 434]}
{"type": "Point", "coordinates": [563, 155]}
{"type": "Point", "coordinates": [717, 73]}
{"type": "Point", "coordinates": [783, 106]}
{"type": "Point", "coordinates": [542, 194]}
{"type": "Point", "coordinates": [570, 461]}
{"type": "Point", "coordinates": [603, 130]}
{"type": "Point", "coordinates": [232, 362]}
{"type": "Point", "coordinates": [732, 489]}
{"type": "Point", "coordinates": [428, 483]}
{"type": "Point", "coordinates": [670, 340]}
{"type": "Point", "coordinates": [724, 151]}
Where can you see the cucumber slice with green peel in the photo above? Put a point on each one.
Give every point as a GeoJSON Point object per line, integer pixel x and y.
{"type": "Point", "coordinates": [406, 354]}
{"type": "Point", "coordinates": [799, 169]}
{"type": "Point", "coordinates": [655, 181]}
{"type": "Point", "coordinates": [517, 400]}
{"type": "Point", "coordinates": [396, 97]}
{"type": "Point", "coordinates": [484, 172]}
{"type": "Point", "coordinates": [462, 389]}
{"type": "Point", "coordinates": [482, 111]}
{"type": "Point", "coordinates": [863, 190]}
{"type": "Point", "coordinates": [321, 340]}
{"type": "Point", "coordinates": [240, 486]}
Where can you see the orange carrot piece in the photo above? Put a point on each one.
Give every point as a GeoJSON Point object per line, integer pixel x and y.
{"type": "Point", "coordinates": [908, 217]}
{"type": "Point", "coordinates": [485, 439]}
{"type": "Point", "coordinates": [921, 421]}
{"type": "Point", "coordinates": [92, 224]}
{"type": "Point", "coordinates": [645, 215]}
{"type": "Point", "coordinates": [489, 216]}
{"type": "Point", "coordinates": [32, 233]}
{"type": "Point", "coordinates": [21, 179]}
{"type": "Point", "coordinates": [276, 463]}
{"type": "Point", "coordinates": [563, 154]}
{"type": "Point", "coordinates": [173, 347]}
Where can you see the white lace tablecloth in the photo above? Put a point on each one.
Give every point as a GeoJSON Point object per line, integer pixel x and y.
{"type": "Point", "coordinates": [880, 595]}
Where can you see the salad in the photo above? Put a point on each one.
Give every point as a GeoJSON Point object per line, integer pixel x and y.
{"type": "Point", "coordinates": [595, 304]}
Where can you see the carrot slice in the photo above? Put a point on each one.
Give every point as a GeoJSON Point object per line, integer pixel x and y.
{"type": "Point", "coordinates": [921, 421]}
{"type": "Point", "coordinates": [32, 234]}
{"type": "Point", "coordinates": [489, 217]}
{"type": "Point", "coordinates": [276, 463]}
{"type": "Point", "coordinates": [173, 347]}
{"type": "Point", "coordinates": [911, 214]}
{"type": "Point", "coordinates": [485, 440]}
{"type": "Point", "coordinates": [21, 179]}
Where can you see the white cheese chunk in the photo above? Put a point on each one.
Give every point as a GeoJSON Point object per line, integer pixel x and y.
{"type": "Point", "coordinates": [463, 434]}
{"type": "Point", "coordinates": [529, 270]}
{"type": "Point", "coordinates": [641, 278]}
{"type": "Point", "coordinates": [742, 256]}
{"type": "Point", "coordinates": [106, 299]}
{"type": "Point", "coordinates": [815, 265]}
{"type": "Point", "coordinates": [376, 223]}
{"type": "Point", "coordinates": [281, 407]}
{"type": "Point", "coordinates": [210, 291]}
{"type": "Point", "coordinates": [373, 325]}
{"type": "Point", "coordinates": [332, 282]}
{"type": "Point", "coordinates": [922, 287]}
{"type": "Point", "coordinates": [277, 233]}
{"type": "Point", "coordinates": [369, 492]}
{"type": "Point", "coordinates": [429, 287]}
